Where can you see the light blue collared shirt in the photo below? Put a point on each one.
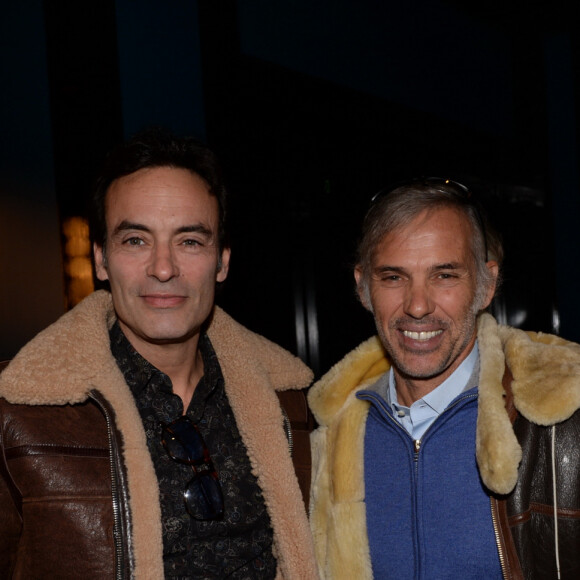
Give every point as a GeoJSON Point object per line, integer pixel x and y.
{"type": "Point", "coordinates": [417, 418]}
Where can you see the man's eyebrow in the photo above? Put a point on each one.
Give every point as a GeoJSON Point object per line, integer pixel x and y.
{"type": "Point", "coordinates": [448, 266]}
{"type": "Point", "coordinates": [126, 225]}
{"type": "Point", "coordinates": [193, 229]}
{"type": "Point", "coordinates": [435, 268]}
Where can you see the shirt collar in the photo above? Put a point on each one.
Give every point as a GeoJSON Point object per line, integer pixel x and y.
{"type": "Point", "coordinates": [139, 372]}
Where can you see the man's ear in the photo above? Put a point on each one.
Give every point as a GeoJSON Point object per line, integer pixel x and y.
{"type": "Point", "coordinates": [223, 265]}
{"type": "Point", "coordinates": [493, 268]}
{"type": "Point", "coordinates": [362, 288]}
{"type": "Point", "coordinates": [100, 262]}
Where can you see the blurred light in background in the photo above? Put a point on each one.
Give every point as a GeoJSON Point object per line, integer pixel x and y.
{"type": "Point", "coordinates": [77, 260]}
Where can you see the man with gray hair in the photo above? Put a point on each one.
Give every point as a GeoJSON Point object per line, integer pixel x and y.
{"type": "Point", "coordinates": [447, 444]}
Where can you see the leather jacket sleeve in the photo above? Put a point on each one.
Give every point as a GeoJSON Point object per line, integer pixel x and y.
{"type": "Point", "coordinates": [60, 473]}
{"type": "Point", "coordinates": [10, 519]}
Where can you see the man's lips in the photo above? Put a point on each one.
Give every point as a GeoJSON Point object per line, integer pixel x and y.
{"type": "Point", "coordinates": [163, 300]}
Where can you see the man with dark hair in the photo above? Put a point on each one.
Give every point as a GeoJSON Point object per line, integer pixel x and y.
{"type": "Point", "coordinates": [141, 435]}
{"type": "Point", "coordinates": [446, 445]}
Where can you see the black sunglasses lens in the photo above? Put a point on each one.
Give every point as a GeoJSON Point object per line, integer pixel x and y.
{"type": "Point", "coordinates": [183, 442]}
{"type": "Point", "coordinates": [203, 494]}
{"type": "Point", "coordinates": [203, 497]}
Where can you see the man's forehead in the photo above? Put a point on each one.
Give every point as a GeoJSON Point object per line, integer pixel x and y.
{"type": "Point", "coordinates": [444, 231]}
{"type": "Point", "coordinates": [157, 185]}
{"type": "Point", "coordinates": [161, 198]}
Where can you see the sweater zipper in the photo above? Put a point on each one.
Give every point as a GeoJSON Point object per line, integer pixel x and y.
{"type": "Point", "coordinates": [418, 442]}
{"type": "Point", "coordinates": [118, 541]}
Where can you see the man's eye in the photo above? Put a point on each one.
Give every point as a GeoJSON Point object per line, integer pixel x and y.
{"type": "Point", "coordinates": [134, 241]}
{"type": "Point", "coordinates": [191, 242]}
{"type": "Point", "coordinates": [390, 278]}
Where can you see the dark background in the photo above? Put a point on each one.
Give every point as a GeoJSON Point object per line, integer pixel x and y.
{"type": "Point", "coordinates": [312, 107]}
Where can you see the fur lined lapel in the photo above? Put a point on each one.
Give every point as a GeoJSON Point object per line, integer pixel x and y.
{"type": "Point", "coordinates": [251, 365]}
{"type": "Point", "coordinates": [546, 372]}
{"type": "Point", "coordinates": [497, 449]}
{"type": "Point", "coordinates": [41, 375]}
{"type": "Point", "coordinates": [359, 368]}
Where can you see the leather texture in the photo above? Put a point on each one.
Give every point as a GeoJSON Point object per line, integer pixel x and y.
{"type": "Point", "coordinates": [530, 507]}
{"type": "Point", "coordinates": [527, 514]}
{"type": "Point", "coordinates": [61, 480]}
{"type": "Point", "coordinates": [302, 424]}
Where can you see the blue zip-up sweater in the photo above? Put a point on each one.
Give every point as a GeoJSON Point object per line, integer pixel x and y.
{"type": "Point", "coordinates": [428, 515]}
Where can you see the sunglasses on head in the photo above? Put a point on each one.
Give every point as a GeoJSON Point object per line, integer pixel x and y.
{"type": "Point", "coordinates": [442, 185]}
{"type": "Point", "coordinates": [203, 494]}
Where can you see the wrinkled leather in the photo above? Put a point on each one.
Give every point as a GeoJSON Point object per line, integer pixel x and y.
{"type": "Point", "coordinates": [528, 522]}
{"type": "Point", "coordinates": [301, 420]}
{"type": "Point", "coordinates": [55, 492]}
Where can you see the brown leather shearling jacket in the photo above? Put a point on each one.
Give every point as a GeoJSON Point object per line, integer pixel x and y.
{"type": "Point", "coordinates": [78, 492]}
{"type": "Point", "coordinates": [520, 446]}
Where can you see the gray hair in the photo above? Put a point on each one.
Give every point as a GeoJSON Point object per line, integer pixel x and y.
{"type": "Point", "coordinates": [397, 208]}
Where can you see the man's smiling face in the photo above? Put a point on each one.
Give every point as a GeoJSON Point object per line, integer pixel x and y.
{"type": "Point", "coordinates": [422, 292]}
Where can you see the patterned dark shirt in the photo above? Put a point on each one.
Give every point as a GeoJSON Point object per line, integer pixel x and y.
{"type": "Point", "coordinates": [240, 544]}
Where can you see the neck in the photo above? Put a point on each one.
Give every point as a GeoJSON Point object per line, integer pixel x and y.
{"type": "Point", "coordinates": [410, 389]}
{"type": "Point", "coordinates": [181, 362]}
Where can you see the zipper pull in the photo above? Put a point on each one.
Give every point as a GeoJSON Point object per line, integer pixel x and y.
{"type": "Point", "coordinates": [417, 444]}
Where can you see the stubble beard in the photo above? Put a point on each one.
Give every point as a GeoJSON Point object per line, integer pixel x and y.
{"type": "Point", "coordinates": [447, 356]}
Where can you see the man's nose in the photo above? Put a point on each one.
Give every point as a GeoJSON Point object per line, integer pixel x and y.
{"type": "Point", "coordinates": [418, 301]}
{"type": "Point", "coordinates": [162, 264]}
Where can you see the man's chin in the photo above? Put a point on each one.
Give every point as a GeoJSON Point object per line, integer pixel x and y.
{"type": "Point", "coordinates": [416, 368]}
{"type": "Point", "coordinates": [161, 337]}
{"type": "Point", "coordinates": [167, 339]}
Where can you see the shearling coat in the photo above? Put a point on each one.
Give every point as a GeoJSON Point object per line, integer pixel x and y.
{"type": "Point", "coordinates": [67, 368]}
{"type": "Point", "coordinates": [546, 396]}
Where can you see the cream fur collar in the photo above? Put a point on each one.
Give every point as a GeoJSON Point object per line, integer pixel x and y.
{"type": "Point", "coordinates": [546, 390]}
{"type": "Point", "coordinates": [82, 333]}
